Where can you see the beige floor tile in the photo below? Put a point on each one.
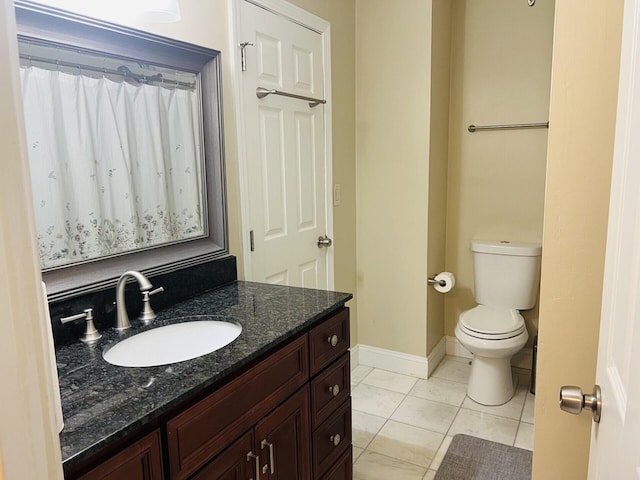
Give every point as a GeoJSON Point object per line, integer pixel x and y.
{"type": "Point", "coordinates": [358, 373]}
{"type": "Point", "coordinates": [437, 460]}
{"type": "Point", "coordinates": [390, 381]}
{"type": "Point", "coordinates": [528, 413]}
{"type": "Point", "coordinates": [426, 414]}
{"type": "Point", "coordinates": [398, 451]}
{"type": "Point", "coordinates": [524, 438]}
{"type": "Point", "coordinates": [356, 453]}
{"type": "Point", "coordinates": [440, 390]}
{"type": "Point", "coordinates": [373, 466]}
{"type": "Point", "coordinates": [407, 443]}
{"type": "Point", "coordinates": [484, 425]}
{"type": "Point", "coordinates": [364, 427]}
{"type": "Point", "coordinates": [375, 401]}
{"type": "Point", "coordinates": [512, 409]}
{"type": "Point", "coordinates": [455, 370]}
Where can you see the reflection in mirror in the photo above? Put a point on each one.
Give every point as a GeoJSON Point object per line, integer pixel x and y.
{"type": "Point", "coordinates": [115, 153]}
{"type": "Point", "coordinates": [124, 132]}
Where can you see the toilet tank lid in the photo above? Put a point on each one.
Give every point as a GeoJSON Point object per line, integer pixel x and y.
{"type": "Point", "coordinates": [505, 247]}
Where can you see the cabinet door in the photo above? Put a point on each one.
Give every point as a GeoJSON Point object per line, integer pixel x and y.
{"type": "Point", "coordinates": [237, 462]}
{"type": "Point", "coordinates": [140, 461]}
{"type": "Point", "coordinates": [284, 439]}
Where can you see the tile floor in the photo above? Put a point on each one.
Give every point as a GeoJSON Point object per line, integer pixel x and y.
{"type": "Point", "coordinates": [402, 426]}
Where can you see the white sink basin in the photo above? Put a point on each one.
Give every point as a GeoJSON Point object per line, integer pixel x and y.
{"type": "Point", "coordinates": [172, 343]}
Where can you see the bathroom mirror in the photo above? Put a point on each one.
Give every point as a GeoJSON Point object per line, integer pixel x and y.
{"type": "Point", "coordinates": [124, 136]}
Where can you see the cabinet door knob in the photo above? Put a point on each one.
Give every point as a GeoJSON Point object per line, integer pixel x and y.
{"type": "Point", "coordinates": [333, 340]}
{"type": "Point", "coordinates": [335, 439]}
{"type": "Point", "coordinates": [335, 390]}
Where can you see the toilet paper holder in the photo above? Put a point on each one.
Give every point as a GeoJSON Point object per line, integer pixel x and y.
{"type": "Point", "coordinates": [442, 282]}
{"type": "Point", "coordinates": [433, 281]}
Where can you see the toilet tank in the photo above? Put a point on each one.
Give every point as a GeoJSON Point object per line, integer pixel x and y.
{"type": "Point", "coordinates": [506, 274]}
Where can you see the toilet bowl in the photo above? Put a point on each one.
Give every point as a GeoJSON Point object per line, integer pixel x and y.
{"type": "Point", "coordinates": [490, 381]}
{"type": "Point", "coordinates": [506, 280]}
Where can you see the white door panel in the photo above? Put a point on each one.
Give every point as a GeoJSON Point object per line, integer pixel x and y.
{"type": "Point", "coordinates": [615, 441]}
{"type": "Point", "coordinates": [307, 193]}
{"type": "Point", "coordinates": [285, 142]}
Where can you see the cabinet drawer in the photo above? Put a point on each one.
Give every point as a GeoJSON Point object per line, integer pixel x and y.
{"type": "Point", "coordinates": [343, 468]}
{"type": "Point", "coordinates": [330, 389]}
{"type": "Point", "coordinates": [328, 340]}
{"type": "Point", "coordinates": [205, 429]}
{"type": "Point", "coordinates": [327, 446]}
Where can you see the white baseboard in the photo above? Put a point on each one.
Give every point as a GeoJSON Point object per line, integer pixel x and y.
{"type": "Point", "coordinates": [436, 355]}
{"type": "Point", "coordinates": [455, 348]}
{"type": "Point", "coordinates": [521, 360]}
{"type": "Point", "coordinates": [398, 362]}
{"type": "Point", "coordinates": [416, 366]}
{"type": "Point", "coordinates": [355, 356]}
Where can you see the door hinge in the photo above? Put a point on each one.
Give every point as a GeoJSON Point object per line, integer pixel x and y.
{"type": "Point", "coordinates": [243, 55]}
{"type": "Point", "coordinates": [251, 244]}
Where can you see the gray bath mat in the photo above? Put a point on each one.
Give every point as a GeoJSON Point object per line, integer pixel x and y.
{"type": "Point", "coordinates": [471, 458]}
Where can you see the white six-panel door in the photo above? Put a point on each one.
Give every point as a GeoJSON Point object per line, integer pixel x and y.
{"type": "Point", "coordinates": [284, 150]}
{"type": "Point", "coordinates": [615, 441]}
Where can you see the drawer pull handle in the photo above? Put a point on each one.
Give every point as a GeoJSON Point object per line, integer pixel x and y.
{"type": "Point", "coordinates": [335, 390]}
{"type": "Point", "coordinates": [251, 455]}
{"type": "Point", "coordinates": [272, 460]}
{"type": "Point", "coordinates": [335, 439]}
{"type": "Point", "coordinates": [333, 340]}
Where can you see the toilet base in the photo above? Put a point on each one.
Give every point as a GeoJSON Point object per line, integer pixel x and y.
{"type": "Point", "coordinates": [490, 381]}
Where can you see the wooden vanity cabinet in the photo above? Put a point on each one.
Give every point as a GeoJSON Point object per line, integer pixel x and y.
{"type": "Point", "coordinates": [305, 436]}
{"type": "Point", "coordinates": [288, 417]}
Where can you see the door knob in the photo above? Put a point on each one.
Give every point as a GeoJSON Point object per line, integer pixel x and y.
{"type": "Point", "coordinates": [572, 400]}
{"type": "Point", "coordinates": [324, 242]}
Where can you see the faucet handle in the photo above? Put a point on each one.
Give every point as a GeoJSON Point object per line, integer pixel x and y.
{"type": "Point", "coordinates": [157, 290]}
{"type": "Point", "coordinates": [91, 333]}
{"type": "Point", "coordinates": [147, 315]}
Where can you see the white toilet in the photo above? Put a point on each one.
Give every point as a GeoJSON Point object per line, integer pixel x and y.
{"type": "Point", "coordinates": [506, 280]}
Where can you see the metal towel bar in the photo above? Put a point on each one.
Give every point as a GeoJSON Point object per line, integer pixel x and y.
{"type": "Point", "coordinates": [475, 128]}
{"type": "Point", "coordinates": [313, 102]}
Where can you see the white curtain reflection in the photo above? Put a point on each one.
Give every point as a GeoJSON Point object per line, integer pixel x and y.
{"type": "Point", "coordinates": [114, 166]}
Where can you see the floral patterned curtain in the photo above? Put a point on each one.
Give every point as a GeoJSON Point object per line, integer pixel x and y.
{"type": "Point", "coordinates": [114, 166]}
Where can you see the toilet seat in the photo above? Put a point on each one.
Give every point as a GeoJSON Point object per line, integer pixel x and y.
{"type": "Point", "coordinates": [492, 323]}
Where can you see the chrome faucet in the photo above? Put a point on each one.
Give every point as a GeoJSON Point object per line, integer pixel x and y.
{"type": "Point", "coordinates": [122, 319]}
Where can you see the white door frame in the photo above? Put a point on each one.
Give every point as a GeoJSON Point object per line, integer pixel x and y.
{"type": "Point", "coordinates": [317, 24]}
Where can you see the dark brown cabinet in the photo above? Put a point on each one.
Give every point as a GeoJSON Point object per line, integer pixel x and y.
{"type": "Point", "coordinates": [277, 448]}
{"type": "Point", "coordinates": [204, 430]}
{"type": "Point", "coordinates": [330, 396]}
{"type": "Point", "coordinates": [288, 417]}
{"type": "Point", "coordinates": [140, 461]}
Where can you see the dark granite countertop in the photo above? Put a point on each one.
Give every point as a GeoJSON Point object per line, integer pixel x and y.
{"type": "Point", "coordinates": [102, 403]}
